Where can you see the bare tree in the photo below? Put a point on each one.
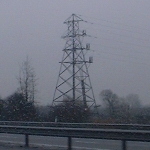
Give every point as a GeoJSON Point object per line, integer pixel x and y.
{"type": "Point", "coordinates": [133, 100]}
{"type": "Point", "coordinates": [110, 99]}
{"type": "Point", "coordinates": [27, 81]}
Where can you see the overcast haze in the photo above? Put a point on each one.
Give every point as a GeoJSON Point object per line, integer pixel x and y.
{"type": "Point", "coordinates": [121, 50]}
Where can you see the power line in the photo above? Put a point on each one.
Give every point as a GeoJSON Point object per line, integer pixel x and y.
{"type": "Point", "coordinates": [127, 43]}
{"type": "Point", "coordinates": [121, 49]}
{"type": "Point", "coordinates": [120, 42]}
{"type": "Point", "coordinates": [108, 21]}
{"type": "Point", "coordinates": [120, 35]}
{"type": "Point", "coordinates": [122, 60]}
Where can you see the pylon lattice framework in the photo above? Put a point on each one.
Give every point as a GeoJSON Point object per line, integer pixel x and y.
{"type": "Point", "coordinates": [73, 80]}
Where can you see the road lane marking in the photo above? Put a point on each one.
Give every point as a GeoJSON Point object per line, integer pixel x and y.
{"type": "Point", "coordinates": [6, 136]}
{"type": "Point", "coordinates": [11, 142]}
{"type": "Point", "coordinates": [47, 145]}
{"type": "Point", "coordinates": [76, 147]}
{"type": "Point", "coordinates": [86, 142]}
{"type": "Point", "coordinates": [88, 148]}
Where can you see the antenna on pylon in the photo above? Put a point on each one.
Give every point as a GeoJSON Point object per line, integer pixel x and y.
{"type": "Point", "coordinates": [73, 80]}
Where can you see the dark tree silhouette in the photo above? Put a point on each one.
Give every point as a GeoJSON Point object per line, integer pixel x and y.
{"type": "Point", "coordinates": [27, 81]}
{"type": "Point", "coordinates": [110, 99]}
{"type": "Point", "coordinates": [19, 109]}
{"type": "Point", "coordinates": [70, 111]}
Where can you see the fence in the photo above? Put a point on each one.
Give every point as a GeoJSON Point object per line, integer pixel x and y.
{"type": "Point", "coordinates": [78, 125]}
{"type": "Point", "coordinates": [95, 133]}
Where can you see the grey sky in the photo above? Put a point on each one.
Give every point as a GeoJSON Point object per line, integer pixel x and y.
{"type": "Point", "coordinates": [121, 50]}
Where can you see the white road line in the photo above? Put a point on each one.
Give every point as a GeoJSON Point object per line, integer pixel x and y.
{"type": "Point", "coordinates": [53, 146]}
{"type": "Point", "coordinates": [85, 142]}
{"type": "Point", "coordinates": [11, 142]}
{"type": "Point", "coordinates": [58, 146]}
{"type": "Point", "coordinates": [7, 136]}
{"type": "Point", "coordinates": [89, 148]}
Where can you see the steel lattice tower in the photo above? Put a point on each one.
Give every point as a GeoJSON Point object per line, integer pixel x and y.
{"type": "Point", "coordinates": [73, 80]}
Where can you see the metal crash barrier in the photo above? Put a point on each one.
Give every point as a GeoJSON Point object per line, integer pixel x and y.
{"type": "Point", "coordinates": [94, 133]}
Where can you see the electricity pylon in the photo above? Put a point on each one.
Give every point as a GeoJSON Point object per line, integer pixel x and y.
{"type": "Point", "coordinates": [73, 80]}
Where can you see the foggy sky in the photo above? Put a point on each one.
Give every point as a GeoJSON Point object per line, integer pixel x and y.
{"type": "Point", "coordinates": [121, 50]}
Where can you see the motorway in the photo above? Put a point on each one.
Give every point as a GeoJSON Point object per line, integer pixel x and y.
{"type": "Point", "coordinates": [78, 144]}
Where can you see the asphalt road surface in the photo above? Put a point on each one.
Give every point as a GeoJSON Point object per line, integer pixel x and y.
{"type": "Point", "coordinates": [45, 142]}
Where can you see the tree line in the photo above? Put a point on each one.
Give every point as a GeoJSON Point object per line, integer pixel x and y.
{"type": "Point", "coordinates": [114, 109]}
{"type": "Point", "coordinates": [21, 106]}
{"type": "Point", "coordinates": [127, 109]}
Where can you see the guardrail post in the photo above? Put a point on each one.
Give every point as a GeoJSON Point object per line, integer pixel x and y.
{"type": "Point", "coordinates": [124, 145]}
{"type": "Point", "coordinates": [26, 140]}
{"type": "Point", "coordinates": [69, 143]}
